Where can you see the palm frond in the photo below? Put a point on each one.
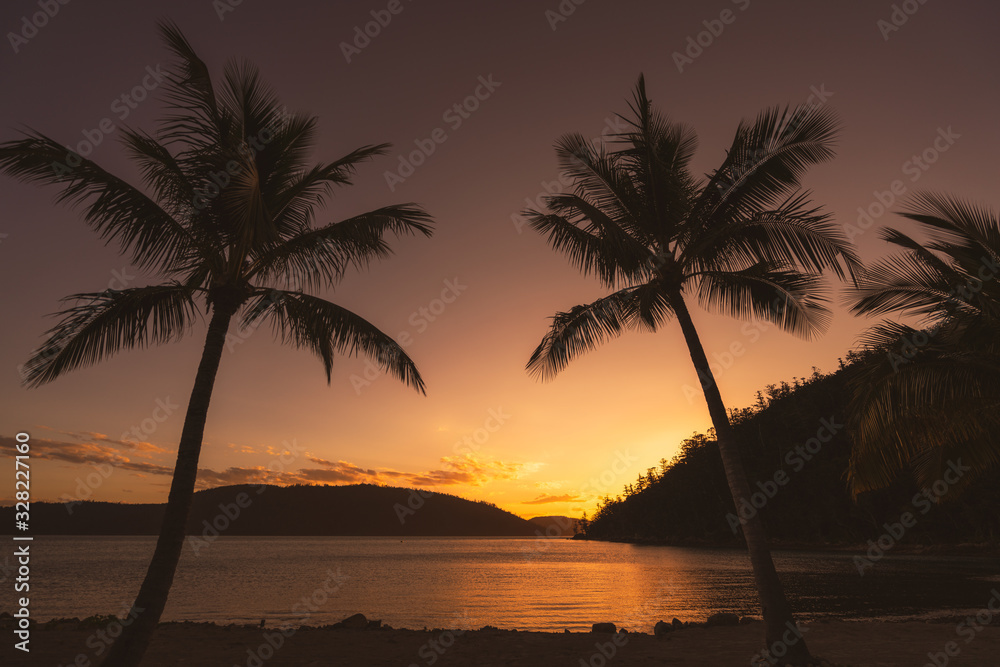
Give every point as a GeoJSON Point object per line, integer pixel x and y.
{"type": "Point", "coordinates": [101, 324]}
{"type": "Point", "coordinates": [795, 234]}
{"type": "Point", "coordinates": [591, 241]}
{"type": "Point", "coordinates": [326, 328]}
{"type": "Point", "coordinates": [765, 162]}
{"type": "Point", "coordinates": [195, 120]}
{"type": "Point", "coordinates": [115, 209]}
{"type": "Point", "coordinates": [586, 327]}
{"type": "Point", "coordinates": [295, 204]}
{"type": "Point", "coordinates": [792, 300]}
{"type": "Point", "coordinates": [319, 257]}
{"type": "Point", "coordinates": [957, 223]}
{"type": "Point", "coordinates": [905, 284]}
{"type": "Point", "coordinates": [596, 176]}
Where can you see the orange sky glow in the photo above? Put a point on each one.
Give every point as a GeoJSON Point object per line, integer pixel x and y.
{"type": "Point", "coordinates": [918, 106]}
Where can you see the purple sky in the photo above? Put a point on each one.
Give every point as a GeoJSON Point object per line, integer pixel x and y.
{"type": "Point", "coordinates": [928, 86]}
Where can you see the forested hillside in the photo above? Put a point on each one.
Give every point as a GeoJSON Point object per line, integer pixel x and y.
{"type": "Point", "coordinates": [795, 447]}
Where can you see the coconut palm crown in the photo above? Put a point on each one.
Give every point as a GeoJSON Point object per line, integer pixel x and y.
{"type": "Point", "coordinates": [227, 218]}
{"type": "Point", "coordinates": [744, 241]}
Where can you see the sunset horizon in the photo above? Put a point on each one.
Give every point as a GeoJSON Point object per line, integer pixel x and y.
{"type": "Point", "coordinates": [712, 277]}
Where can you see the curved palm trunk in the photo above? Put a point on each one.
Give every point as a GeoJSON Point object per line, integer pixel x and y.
{"type": "Point", "coordinates": [128, 650]}
{"type": "Point", "coordinates": [779, 626]}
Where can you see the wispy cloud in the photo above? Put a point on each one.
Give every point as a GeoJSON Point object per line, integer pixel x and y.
{"type": "Point", "coordinates": [546, 498]}
{"type": "Point", "coordinates": [83, 453]}
{"type": "Point", "coordinates": [468, 470]}
{"type": "Point", "coordinates": [97, 449]}
{"type": "Point", "coordinates": [93, 436]}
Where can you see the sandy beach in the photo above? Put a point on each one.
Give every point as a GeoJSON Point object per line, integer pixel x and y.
{"type": "Point", "coordinates": [859, 644]}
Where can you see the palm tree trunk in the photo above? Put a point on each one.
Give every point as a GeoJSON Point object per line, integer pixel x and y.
{"type": "Point", "coordinates": [778, 622]}
{"type": "Point", "coordinates": [129, 649]}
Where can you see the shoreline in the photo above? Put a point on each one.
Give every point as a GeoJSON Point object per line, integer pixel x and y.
{"type": "Point", "coordinates": [844, 643]}
{"type": "Point", "coordinates": [960, 549]}
{"type": "Point", "coordinates": [90, 623]}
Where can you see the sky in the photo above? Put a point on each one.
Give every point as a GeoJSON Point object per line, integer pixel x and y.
{"type": "Point", "coordinates": [914, 84]}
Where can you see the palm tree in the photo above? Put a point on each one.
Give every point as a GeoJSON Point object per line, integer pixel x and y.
{"type": "Point", "coordinates": [933, 398]}
{"type": "Point", "coordinates": [745, 242]}
{"type": "Point", "coordinates": [229, 225]}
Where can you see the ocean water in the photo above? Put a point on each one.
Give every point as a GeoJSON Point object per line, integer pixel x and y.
{"type": "Point", "coordinates": [521, 583]}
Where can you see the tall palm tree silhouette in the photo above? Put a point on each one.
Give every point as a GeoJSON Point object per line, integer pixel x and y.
{"type": "Point", "coordinates": [931, 400]}
{"type": "Point", "coordinates": [229, 225]}
{"type": "Point", "coordinates": [745, 242]}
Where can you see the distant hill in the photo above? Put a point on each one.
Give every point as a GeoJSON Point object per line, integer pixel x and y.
{"type": "Point", "coordinates": [359, 510]}
{"type": "Point", "coordinates": [557, 526]}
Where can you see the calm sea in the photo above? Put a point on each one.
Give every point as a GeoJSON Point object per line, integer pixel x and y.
{"type": "Point", "coordinates": [526, 584]}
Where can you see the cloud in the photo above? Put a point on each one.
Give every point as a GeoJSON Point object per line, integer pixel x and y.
{"type": "Point", "coordinates": [93, 436]}
{"type": "Point", "coordinates": [82, 453]}
{"type": "Point", "coordinates": [92, 449]}
{"type": "Point", "coordinates": [546, 498]}
{"type": "Point", "coordinates": [208, 478]}
{"type": "Point", "coordinates": [335, 472]}
{"type": "Point", "coordinates": [468, 470]}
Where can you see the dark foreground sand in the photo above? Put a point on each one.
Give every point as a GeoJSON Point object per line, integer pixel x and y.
{"type": "Point", "coordinates": [842, 643]}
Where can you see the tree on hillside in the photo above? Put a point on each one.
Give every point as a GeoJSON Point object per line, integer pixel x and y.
{"type": "Point", "coordinates": [228, 223]}
{"type": "Point", "coordinates": [746, 242]}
